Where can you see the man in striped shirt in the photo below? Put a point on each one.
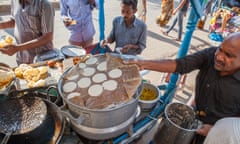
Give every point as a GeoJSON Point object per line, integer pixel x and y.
{"type": "Point", "coordinates": [33, 22]}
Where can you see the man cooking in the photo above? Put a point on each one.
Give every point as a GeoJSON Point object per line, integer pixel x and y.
{"type": "Point", "coordinates": [217, 83]}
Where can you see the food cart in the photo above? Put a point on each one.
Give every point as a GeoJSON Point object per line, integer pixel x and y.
{"type": "Point", "coordinates": [146, 123]}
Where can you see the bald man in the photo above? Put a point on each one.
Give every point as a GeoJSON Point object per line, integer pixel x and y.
{"type": "Point", "coordinates": [217, 83]}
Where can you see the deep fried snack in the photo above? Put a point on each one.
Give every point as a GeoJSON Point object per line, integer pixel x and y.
{"type": "Point", "coordinates": [6, 78]}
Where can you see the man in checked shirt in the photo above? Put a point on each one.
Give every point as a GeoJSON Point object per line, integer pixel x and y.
{"type": "Point", "coordinates": [33, 23]}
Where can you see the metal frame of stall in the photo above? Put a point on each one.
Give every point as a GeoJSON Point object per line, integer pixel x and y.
{"type": "Point", "coordinates": [149, 121]}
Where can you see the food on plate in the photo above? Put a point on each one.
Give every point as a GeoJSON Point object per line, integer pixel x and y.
{"type": "Point", "coordinates": [6, 78]}
{"type": "Point", "coordinates": [82, 65]}
{"type": "Point", "coordinates": [99, 77]}
{"type": "Point", "coordinates": [110, 85]}
{"type": "Point", "coordinates": [102, 66]}
{"type": "Point", "coordinates": [8, 40]}
{"type": "Point", "coordinates": [115, 73]}
{"type": "Point", "coordinates": [69, 87]}
{"type": "Point", "coordinates": [113, 62]}
{"type": "Point", "coordinates": [31, 74]}
{"type": "Point", "coordinates": [20, 70]}
{"type": "Point", "coordinates": [43, 72]}
{"type": "Point", "coordinates": [88, 71]}
{"type": "Point", "coordinates": [39, 83]}
{"type": "Point", "coordinates": [51, 63]}
{"type": "Point", "coordinates": [95, 90]}
{"type": "Point", "coordinates": [76, 60]}
{"type": "Point", "coordinates": [35, 77]}
{"type": "Point", "coordinates": [84, 82]}
{"type": "Point", "coordinates": [74, 94]}
{"type": "Point", "coordinates": [35, 74]}
{"type": "Point", "coordinates": [92, 60]}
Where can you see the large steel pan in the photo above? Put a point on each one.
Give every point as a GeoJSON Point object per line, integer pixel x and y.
{"type": "Point", "coordinates": [49, 131]}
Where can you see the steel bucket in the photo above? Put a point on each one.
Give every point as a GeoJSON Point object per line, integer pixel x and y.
{"type": "Point", "coordinates": [178, 126]}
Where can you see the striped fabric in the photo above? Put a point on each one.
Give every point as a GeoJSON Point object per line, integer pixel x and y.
{"type": "Point", "coordinates": [32, 21]}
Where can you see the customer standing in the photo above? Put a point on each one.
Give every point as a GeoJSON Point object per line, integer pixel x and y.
{"type": "Point", "coordinates": [142, 10]}
{"type": "Point", "coordinates": [77, 17]}
{"type": "Point", "coordinates": [128, 32]}
{"type": "Point", "coordinates": [179, 13]}
{"type": "Point", "coordinates": [33, 22]}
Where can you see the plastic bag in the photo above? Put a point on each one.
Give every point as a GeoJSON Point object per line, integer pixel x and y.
{"type": "Point", "coordinates": [97, 49]}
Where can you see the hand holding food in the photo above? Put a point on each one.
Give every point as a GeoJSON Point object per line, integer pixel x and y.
{"type": "Point", "coordinates": [68, 21]}
{"type": "Point", "coordinates": [6, 78]}
{"type": "Point", "coordinates": [8, 40]}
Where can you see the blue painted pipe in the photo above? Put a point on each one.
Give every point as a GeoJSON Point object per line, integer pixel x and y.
{"type": "Point", "coordinates": [194, 15]}
{"type": "Point", "coordinates": [101, 19]}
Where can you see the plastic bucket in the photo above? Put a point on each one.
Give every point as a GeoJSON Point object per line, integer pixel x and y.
{"type": "Point", "coordinates": [178, 126]}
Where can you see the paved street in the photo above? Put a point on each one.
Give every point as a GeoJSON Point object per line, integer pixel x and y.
{"type": "Point", "coordinates": [159, 46]}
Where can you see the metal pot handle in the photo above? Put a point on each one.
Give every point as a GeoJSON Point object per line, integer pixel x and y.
{"type": "Point", "coordinates": [48, 96]}
{"type": "Point", "coordinates": [65, 112]}
{"type": "Point", "coordinates": [6, 138]}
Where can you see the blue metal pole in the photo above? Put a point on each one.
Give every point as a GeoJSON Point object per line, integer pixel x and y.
{"type": "Point", "coordinates": [101, 18]}
{"type": "Point", "coordinates": [195, 14]}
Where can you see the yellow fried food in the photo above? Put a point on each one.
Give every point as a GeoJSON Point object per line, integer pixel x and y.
{"type": "Point", "coordinates": [39, 83]}
{"type": "Point", "coordinates": [6, 41]}
{"type": "Point", "coordinates": [43, 72]}
{"type": "Point", "coordinates": [31, 74]}
{"type": "Point", "coordinates": [20, 70]}
{"type": "Point", "coordinates": [5, 78]}
{"type": "Point", "coordinates": [2, 43]}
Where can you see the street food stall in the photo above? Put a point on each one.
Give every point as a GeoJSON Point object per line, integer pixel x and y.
{"type": "Point", "coordinates": [95, 96]}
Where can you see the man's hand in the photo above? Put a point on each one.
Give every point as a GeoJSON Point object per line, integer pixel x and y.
{"type": "Point", "coordinates": [204, 129]}
{"type": "Point", "coordinates": [9, 49]}
{"type": "Point", "coordinates": [103, 43]}
{"type": "Point", "coordinates": [68, 21]}
{"type": "Point", "coordinates": [133, 61]}
{"type": "Point", "coordinates": [174, 12]}
{"type": "Point", "coordinates": [127, 47]}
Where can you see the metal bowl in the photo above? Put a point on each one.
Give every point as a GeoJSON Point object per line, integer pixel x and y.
{"type": "Point", "coordinates": [73, 51]}
{"type": "Point", "coordinates": [147, 104]}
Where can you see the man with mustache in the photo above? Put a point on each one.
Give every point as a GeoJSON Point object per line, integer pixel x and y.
{"type": "Point", "coordinates": [33, 22]}
{"type": "Point", "coordinates": [128, 32]}
{"type": "Point", "coordinates": [217, 83]}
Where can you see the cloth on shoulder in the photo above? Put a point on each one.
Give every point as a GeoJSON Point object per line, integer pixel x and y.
{"type": "Point", "coordinates": [225, 131]}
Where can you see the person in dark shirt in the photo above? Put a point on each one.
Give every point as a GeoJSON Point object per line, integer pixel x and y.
{"type": "Point", "coordinates": [217, 83]}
